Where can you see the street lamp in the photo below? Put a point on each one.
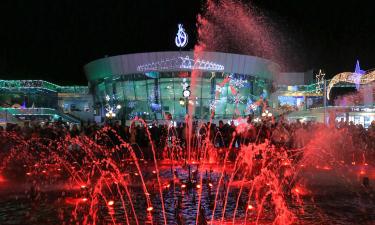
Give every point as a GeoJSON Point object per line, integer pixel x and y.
{"type": "Point", "coordinates": [111, 107]}
{"type": "Point", "coordinates": [182, 101]}
{"type": "Point", "coordinates": [256, 120]}
{"type": "Point", "coordinates": [186, 93]}
{"type": "Point", "coordinates": [266, 114]}
{"type": "Point", "coordinates": [110, 115]}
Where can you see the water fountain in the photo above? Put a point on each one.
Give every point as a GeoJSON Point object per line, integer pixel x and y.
{"type": "Point", "coordinates": [103, 179]}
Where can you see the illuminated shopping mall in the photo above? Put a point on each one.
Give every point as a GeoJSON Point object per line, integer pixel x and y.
{"type": "Point", "coordinates": [151, 85]}
{"type": "Point", "coordinates": [156, 86]}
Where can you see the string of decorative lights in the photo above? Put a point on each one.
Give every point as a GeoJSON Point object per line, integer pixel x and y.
{"type": "Point", "coordinates": [350, 77]}
{"type": "Point", "coordinates": [181, 63]}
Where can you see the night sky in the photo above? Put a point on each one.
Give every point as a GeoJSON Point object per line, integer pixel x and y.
{"type": "Point", "coordinates": [53, 39]}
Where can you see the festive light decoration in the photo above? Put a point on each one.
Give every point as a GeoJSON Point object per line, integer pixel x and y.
{"type": "Point", "coordinates": [238, 99]}
{"type": "Point", "coordinates": [250, 106]}
{"type": "Point", "coordinates": [134, 115]}
{"type": "Point", "coordinates": [181, 63]}
{"type": "Point", "coordinates": [320, 80]}
{"type": "Point", "coordinates": [41, 85]}
{"type": "Point", "coordinates": [181, 39]}
{"type": "Point", "coordinates": [151, 97]}
{"type": "Point", "coordinates": [266, 113]}
{"type": "Point", "coordinates": [213, 104]}
{"type": "Point", "coordinates": [185, 88]}
{"type": "Point", "coordinates": [357, 75]}
{"type": "Point", "coordinates": [320, 76]}
{"type": "Point", "coordinates": [132, 104]}
{"type": "Point", "coordinates": [155, 107]}
{"type": "Point", "coordinates": [184, 84]}
{"type": "Point", "coordinates": [349, 77]}
{"type": "Point", "coordinates": [237, 82]}
{"type": "Point", "coordinates": [111, 107]}
{"type": "Point", "coordinates": [219, 88]}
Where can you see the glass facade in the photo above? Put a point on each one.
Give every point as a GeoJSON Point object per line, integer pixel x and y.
{"type": "Point", "coordinates": [153, 96]}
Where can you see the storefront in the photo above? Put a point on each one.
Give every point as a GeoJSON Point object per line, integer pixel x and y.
{"type": "Point", "coordinates": [363, 115]}
{"type": "Point", "coordinates": [359, 115]}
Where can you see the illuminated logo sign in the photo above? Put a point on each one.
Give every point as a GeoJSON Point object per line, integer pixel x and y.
{"type": "Point", "coordinates": [180, 63]}
{"type": "Point", "coordinates": [181, 39]}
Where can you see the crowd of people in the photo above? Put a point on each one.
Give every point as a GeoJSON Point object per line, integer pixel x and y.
{"type": "Point", "coordinates": [230, 135]}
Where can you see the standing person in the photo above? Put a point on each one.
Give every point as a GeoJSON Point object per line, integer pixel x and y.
{"type": "Point", "coordinates": [117, 128]}
{"type": "Point", "coordinates": [220, 134]}
{"type": "Point", "coordinates": [232, 134]}
{"type": "Point", "coordinates": [26, 130]}
{"type": "Point", "coordinates": [155, 135]}
{"type": "Point", "coordinates": [74, 132]}
{"type": "Point", "coordinates": [126, 133]}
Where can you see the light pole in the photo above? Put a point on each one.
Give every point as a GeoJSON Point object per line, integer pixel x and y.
{"type": "Point", "coordinates": [110, 107]}
{"type": "Point", "coordinates": [325, 100]}
{"type": "Point", "coordinates": [184, 102]}
{"type": "Point", "coordinates": [110, 115]}
{"type": "Point", "coordinates": [186, 93]}
{"type": "Point", "coordinates": [266, 113]}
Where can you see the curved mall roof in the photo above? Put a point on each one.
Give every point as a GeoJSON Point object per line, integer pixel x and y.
{"type": "Point", "coordinates": [180, 61]}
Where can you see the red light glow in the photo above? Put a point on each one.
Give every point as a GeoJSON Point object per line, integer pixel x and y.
{"type": "Point", "coordinates": [110, 203]}
{"type": "Point", "coordinates": [326, 168]}
{"type": "Point", "coordinates": [300, 190]}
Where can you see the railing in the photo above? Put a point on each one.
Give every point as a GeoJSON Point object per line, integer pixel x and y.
{"type": "Point", "coordinates": [30, 111]}
{"type": "Point", "coordinates": [25, 84]}
{"type": "Point", "coordinates": [38, 112]}
{"type": "Point", "coordinates": [17, 84]}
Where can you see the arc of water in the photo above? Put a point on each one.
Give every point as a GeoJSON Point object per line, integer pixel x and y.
{"type": "Point", "coordinates": [156, 168]}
